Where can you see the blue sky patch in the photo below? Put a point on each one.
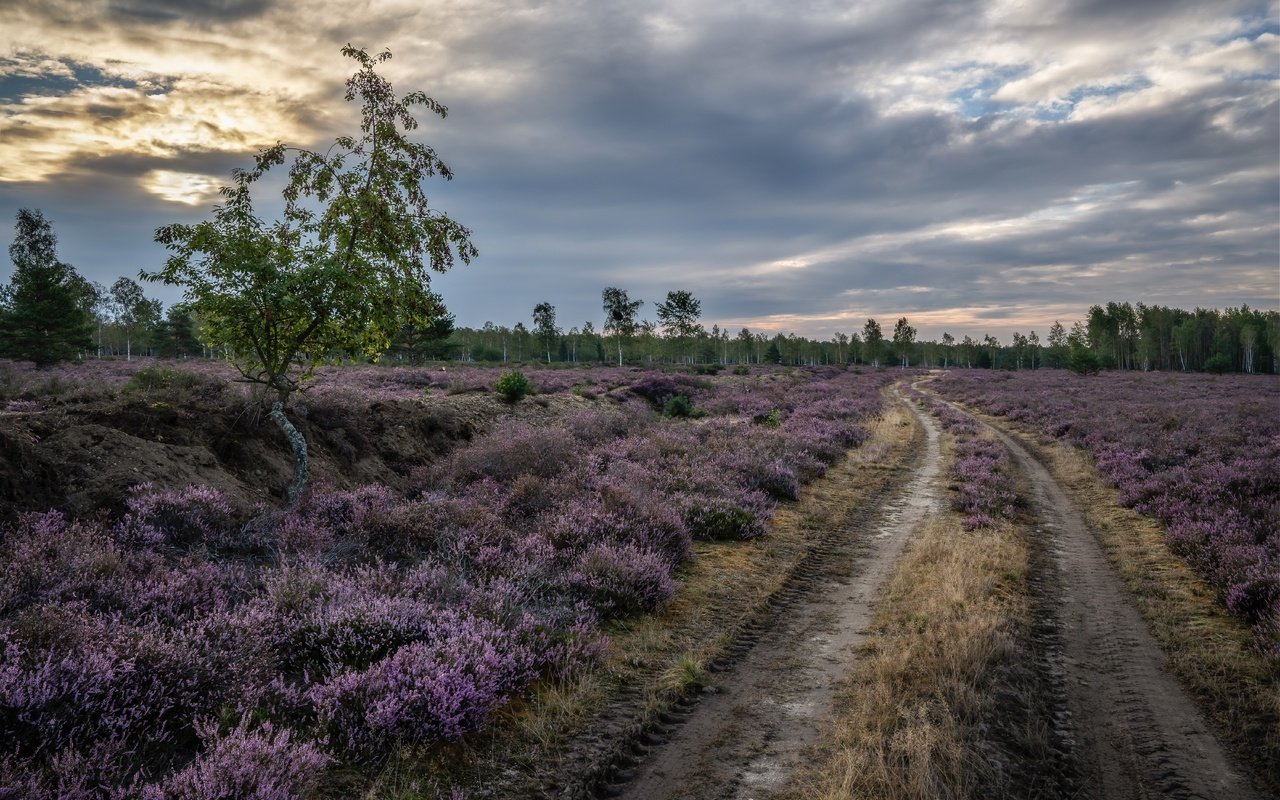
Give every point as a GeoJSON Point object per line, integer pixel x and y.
{"type": "Point", "coordinates": [975, 101]}
{"type": "Point", "coordinates": [15, 87]}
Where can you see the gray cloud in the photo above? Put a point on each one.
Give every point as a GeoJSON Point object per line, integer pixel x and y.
{"type": "Point", "coordinates": [804, 166]}
{"type": "Point", "coordinates": [170, 10]}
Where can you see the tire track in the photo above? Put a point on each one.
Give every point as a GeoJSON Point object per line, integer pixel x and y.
{"type": "Point", "coordinates": [1136, 733]}
{"type": "Point", "coordinates": [746, 740]}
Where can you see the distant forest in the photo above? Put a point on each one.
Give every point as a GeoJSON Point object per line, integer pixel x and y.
{"type": "Point", "coordinates": [123, 322]}
{"type": "Point", "coordinates": [50, 313]}
{"type": "Point", "coordinates": [1118, 335]}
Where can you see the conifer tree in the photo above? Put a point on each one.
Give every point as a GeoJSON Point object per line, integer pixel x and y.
{"type": "Point", "coordinates": [41, 314]}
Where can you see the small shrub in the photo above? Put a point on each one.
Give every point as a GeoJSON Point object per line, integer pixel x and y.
{"type": "Point", "coordinates": [741, 370]}
{"type": "Point", "coordinates": [512, 386]}
{"type": "Point", "coordinates": [623, 579]}
{"type": "Point", "coordinates": [677, 405]}
{"type": "Point", "coordinates": [722, 520]}
{"type": "Point", "coordinates": [1217, 364]}
{"type": "Point", "coordinates": [161, 517]}
{"type": "Point", "coordinates": [658, 387]}
{"type": "Point", "coordinates": [243, 763]}
{"type": "Point", "coordinates": [1083, 361]}
{"type": "Point", "coordinates": [771, 420]}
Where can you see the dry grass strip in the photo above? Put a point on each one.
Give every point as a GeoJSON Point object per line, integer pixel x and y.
{"type": "Point", "coordinates": [907, 715]}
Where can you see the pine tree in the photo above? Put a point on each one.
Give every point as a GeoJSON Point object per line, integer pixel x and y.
{"type": "Point", "coordinates": [42, 318]}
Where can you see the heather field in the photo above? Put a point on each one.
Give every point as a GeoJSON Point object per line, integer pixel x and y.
{"type": "Point", "coordinates": [634, 582]}
{"type": "Point", "coordinates": [189, 646]}
{"type": "Point", "coordinates": [1198, 453]}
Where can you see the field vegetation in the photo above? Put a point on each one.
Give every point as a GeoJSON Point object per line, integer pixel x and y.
{"type": "Point", "coordinates": [500, 563]}
{"type": "Point", "coordinates": [1199, 454]}
{"type": "Point", "coordinates": [203, 649]}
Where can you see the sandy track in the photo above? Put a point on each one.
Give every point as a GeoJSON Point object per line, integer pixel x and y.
{"type": "Point", "coordinates": [745, 741]}
{"type": "Point", "coordinates": [1136, 733]}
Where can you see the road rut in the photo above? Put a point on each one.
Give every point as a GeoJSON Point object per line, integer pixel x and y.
{"type": "Point", "coordinates": [1137, 734]}
{"type": "Point", "coordinates": [746, 741]}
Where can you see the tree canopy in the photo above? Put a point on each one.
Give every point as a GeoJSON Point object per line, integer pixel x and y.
{"type": "Point", "coordinates": [619, 314]}
{"type": "Point", "coordinates": [347, 264]}
{"type": "Point", "coordinates": [43, 314]}
{"type": "Point", "coordinates": [345, 267]}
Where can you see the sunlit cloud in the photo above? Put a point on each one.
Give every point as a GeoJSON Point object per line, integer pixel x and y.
{"type": "Point", "coordinates": [181, 187]}
{"type": "Point", "coordinates": [46, 136]}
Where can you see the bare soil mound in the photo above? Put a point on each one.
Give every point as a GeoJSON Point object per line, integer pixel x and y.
{"type": "Point", "coordinates": [82, 457]}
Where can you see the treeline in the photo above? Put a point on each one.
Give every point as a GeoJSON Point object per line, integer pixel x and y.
{"type": "Point", "coordinates": [1114, 336]}
{"type": "Point", "coordinates": [51, 313]}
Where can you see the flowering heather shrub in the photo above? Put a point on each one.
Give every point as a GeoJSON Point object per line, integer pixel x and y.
{"type": "Point", "coordinates": [980, 474]}
{"type": "Point", "coordinates": [720, 518]}
{"type": "Point", "coordinates": [362, 618]}
{"type": "Point", "coordinates": [623, 578]}
{"type": "Point", "coordinates": [438, 688]}
{"type": "Point", "coordinates": [46, 557]}
{"type": "Point", "coordinates": [1198, 453]}
{"type": "Point", "coordinates": [179, 518]}
{"type": "Point", "coordinates": [263, 764]}
{"type": "Point", "coordinates": [615, 512]}
{"type": "Point", "coordinates": [982, 483]}
{"type": "Point", "coordinates": [659, 387]}
{"type": "Point", "coordinates": [593, 427]}
{"type": "Point", "coordinates": [510, 451]}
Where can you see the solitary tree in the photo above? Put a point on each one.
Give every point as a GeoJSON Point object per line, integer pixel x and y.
{"type": "Point", "coordinates": [544, 326]}
{"type": "Point", "coordinates": [872, 342]}
{"type": "Point", "coordinates": [678, 315]}
{"type": "Point", "coordinates": [430, 339]}
{"type": "Point", "coordinates": [43, 317]}
{"type": "Point", "coordinates": [903, 337]}
{"type": "Point", "coordinates": [343, 269]}
{"type": "Point", "coordinates": [948, 342]}
{"type": "Point", "coordinates": [619, 314]}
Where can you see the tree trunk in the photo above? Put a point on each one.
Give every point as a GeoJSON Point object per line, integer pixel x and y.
{"type": "Point", "coordinates": [299, 445]}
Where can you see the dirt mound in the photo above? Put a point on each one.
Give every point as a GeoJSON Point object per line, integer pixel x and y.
{"type": "Point", "coordinates": [83, 457]}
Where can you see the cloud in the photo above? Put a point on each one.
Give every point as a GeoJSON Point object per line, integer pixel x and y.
{"type": "Point", "coordinates": [797, 165]}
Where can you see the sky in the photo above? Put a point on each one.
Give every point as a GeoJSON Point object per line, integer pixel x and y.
{"type": "Point", "coordinates": [978, 167]}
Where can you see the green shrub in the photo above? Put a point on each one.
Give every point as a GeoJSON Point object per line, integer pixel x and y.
{"type": "Point", "coordinates": [512, 386]}
{"type": "Point", "coordinates": [1217, 364]}
{"type": "Point", "coordinates": [1083, 361]}
{"type": "Point", "coordinates": [741, 370]}
{"type": "Point", "coordinates": [771, 420]}
{"type": "Point", "coordinates": [677, 405]}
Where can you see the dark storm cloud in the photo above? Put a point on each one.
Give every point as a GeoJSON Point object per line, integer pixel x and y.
{"type": "Point", "coordinates": [169, 10]}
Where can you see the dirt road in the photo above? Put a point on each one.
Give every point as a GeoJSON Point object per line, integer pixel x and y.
{"type": "Point", "coordinates": [745, 741]}
{"type": "Point", "coordinates": [1136, 732]}
{"type": "Point", "coordinates": [1130, 730]}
